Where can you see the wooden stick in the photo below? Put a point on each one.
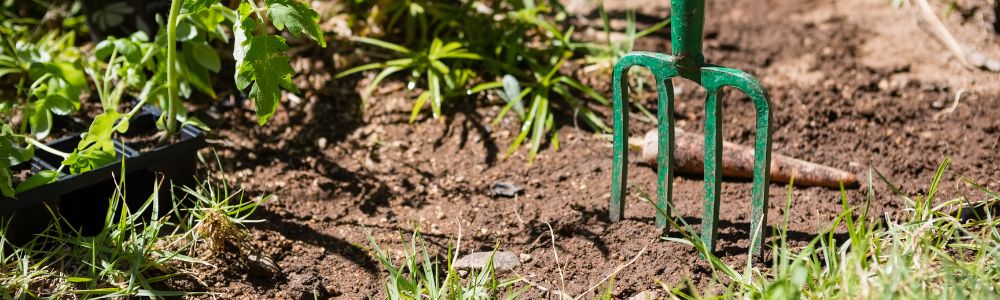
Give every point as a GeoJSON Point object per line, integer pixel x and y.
{"type": "Point", "coordinates": [737, 162]}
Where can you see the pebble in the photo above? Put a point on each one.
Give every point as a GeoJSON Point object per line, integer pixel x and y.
{"type": "Point", "coordinates": [644, 295]}
{"type": "Point", "coordinates": [262, 266]}
{"type": "Point", "coordinates": [502, 260]}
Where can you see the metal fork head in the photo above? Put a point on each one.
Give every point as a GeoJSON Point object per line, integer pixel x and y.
{"type": "Point", "coordinates": [687, 61]}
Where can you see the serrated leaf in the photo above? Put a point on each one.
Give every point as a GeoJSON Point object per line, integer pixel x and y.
{"type": "Point", "coordinates": [37, 180]}
{"type": "Point", "coordinates": [266, 67]}
{"type": "Point", "coordinates": [195, 6]}
{"type": "Point", "coordinates": [297, 16]}
{"type": "Point", "coordinates": [95, 148]}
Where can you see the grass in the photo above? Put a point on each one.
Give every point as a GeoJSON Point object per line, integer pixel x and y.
{"type": "Point", "coordinates": [135, 252]}
{"type": "Point", "coordinates": [417, 276]}
{"type": "Point", "coordinates": [926, 253]}
{"type": "Point", "coordinates": [520, 50]}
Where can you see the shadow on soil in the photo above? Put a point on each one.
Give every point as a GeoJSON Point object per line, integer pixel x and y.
{"type": "Point", "coordinates": [303, 233]}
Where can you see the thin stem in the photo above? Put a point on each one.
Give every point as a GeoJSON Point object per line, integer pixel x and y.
{"type": "Point", "coordinates": [42, 146]}
{"type": "Point", "coordinates": [128, 117]}
{"type": "Point", "coordinates": [172, 97]}
{"type": "Point", "coordinates": [24, 121]}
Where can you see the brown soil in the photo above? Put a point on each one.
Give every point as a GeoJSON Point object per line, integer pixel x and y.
{"type": "Point", "coordinates": [853, 84]}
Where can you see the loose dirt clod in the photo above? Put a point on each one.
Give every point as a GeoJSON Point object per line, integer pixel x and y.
{"type": "Point", "coordinates": [737, 162]}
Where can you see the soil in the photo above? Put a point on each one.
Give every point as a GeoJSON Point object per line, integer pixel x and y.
{"type": "Point", "coordinates": [856, 85]}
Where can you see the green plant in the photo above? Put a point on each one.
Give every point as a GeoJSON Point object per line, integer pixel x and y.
{"type": "Point", "coordinates": [418, 277]}
{"type": "Point", "coordinates": [48, 80]}
{"type": "Point", "coordinates": [124, 258]}
{"type": "Point", "coordinates": [539, 120]}
{"type": "Point", "coordinates": [441, 79]}
{"type": "Point", "coordinates": [134, 252]}
{"type": "Point", "coordinates": [45, 74]}
{"type": "Point", "coordinates": [928, 253]}
{"type": "Point", "coordinates": [219, 214]}
{"type": "Point", "coordinates": [261, 60]}
{"type": "Point", "coordinates": [513, 43]}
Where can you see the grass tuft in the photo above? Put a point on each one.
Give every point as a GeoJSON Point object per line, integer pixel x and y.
{"type": "Point", "coordinates": [927, 253]}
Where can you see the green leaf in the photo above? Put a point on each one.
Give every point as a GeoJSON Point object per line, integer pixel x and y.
{"type": "Point", "coordinates": [297, 16]}
{"type": "Point", "coordinates": [186, 31]}
{"type": "Point", "coordinates": [382, 44]}
{"type": "Point", "coordinates": [37, 180]}
{"type": "Point", "coordinates": [60, 105]}
{"type": "Point", "coordinates": [11, 154]}
{"type": "Point", "coordinates": [205, 55]}
{"type": "Point", "coordinates": [104, 49]}
{"type": "Point", "coordinates": [40, 121]}
{"type": "Point", "coordinates": [195, 6]}
{"type": "Point", "coordinates": [129, 50]}
{"type": "Point", "coordinates": [266, 67]}
{"type": "Point", "coordinates": [6, 182]}
{"type": "Point", "coordinates": [96, 148]}
{"type": "Point", "coordinates": [196, 74]}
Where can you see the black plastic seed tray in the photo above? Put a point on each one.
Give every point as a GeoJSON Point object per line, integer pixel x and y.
{"type": "Point", "coordinates": [82, 199]}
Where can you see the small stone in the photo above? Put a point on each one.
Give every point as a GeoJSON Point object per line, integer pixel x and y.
{"type": "Point", "coordinates": [506, 189]}
{"type": "Point", "coordinates": [321, 143]}
{"type": "Point", "coordinates": [867, 108]}
{"type": "Point", "coordinates": [502, 261]}
{"type": "Point", "coordinates": [261, 266]}
{"type": "Point", "coordinates": [525, 257]}
{"type": "Point", "coordinates": [644, 295]}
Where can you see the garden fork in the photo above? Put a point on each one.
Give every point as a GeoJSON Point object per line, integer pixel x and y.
{"type": "Point", "coordinates": [687, 19]}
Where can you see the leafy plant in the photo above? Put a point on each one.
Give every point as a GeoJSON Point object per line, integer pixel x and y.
{"type": "Point", "coordinates": [514, 43]}
{"type": "Point", "coordinates": [430, 62]}
{"type": "Point", "coordinates": [539, 120]}
{"type": "Point", "coordinates": [261, 62]}
{"type": "Point", "coordinates": [47, 81]}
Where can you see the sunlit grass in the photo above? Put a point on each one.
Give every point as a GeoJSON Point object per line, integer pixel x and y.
{"type": "Point", "coordinates": [927, 253]}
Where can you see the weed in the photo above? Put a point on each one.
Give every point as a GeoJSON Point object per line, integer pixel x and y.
{"type": "Point", "coordinates": [419, 277]}
{"type": "Point", "coordinates": [218, 215]}
{"type": "Point", "coordinates": [136, 251]}
{"type": "Point", "coordinates": [928, 253]}
{"type": "Point", "coordinates": [430, 62]}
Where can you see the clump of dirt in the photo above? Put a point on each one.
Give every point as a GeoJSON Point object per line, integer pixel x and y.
{"type": "Point", "coordinates": [337, 174]}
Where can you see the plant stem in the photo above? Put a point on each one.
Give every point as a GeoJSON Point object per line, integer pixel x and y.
{"type": "Point", "coordinates": [42, 146]}
{"type": "Point", "coordinates": [172, 101]}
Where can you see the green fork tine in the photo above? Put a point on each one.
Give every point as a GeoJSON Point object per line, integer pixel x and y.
{"type": "Point", "coordinates": [687, 61]}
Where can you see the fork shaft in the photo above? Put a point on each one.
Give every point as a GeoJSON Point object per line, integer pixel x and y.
{"type": "Point", "coordinates": [687, 19]}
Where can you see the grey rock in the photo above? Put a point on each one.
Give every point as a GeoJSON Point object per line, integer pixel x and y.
{"type": "Point", "coordinates": [502, 261]}
{"type": "Point", "coordinates": [644, 295]}
{"type": "Point", "coordinates": [506, 189]}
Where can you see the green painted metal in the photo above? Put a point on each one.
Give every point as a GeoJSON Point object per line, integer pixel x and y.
{"type": "Point", "coordinates": [687, 61]}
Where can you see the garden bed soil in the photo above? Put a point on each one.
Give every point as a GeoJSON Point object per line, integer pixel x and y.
{"type": "Point", "coordinates": [854, 84]}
